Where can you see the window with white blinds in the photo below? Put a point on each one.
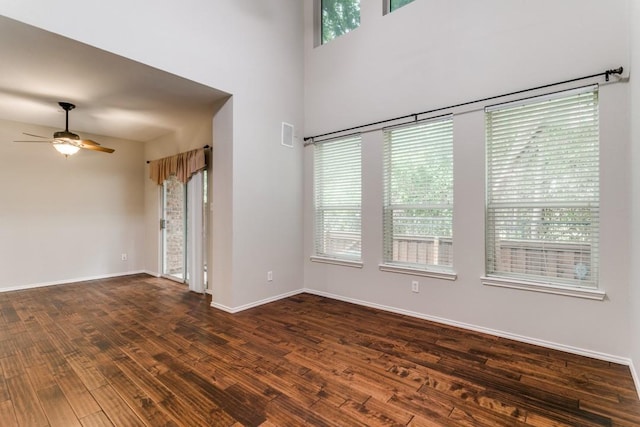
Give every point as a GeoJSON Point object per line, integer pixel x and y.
{"type": "Point", "coordinates": [542, 218]}
{"type": "Point", "coordinates": [418, 195]}
{"type": "Point", "coordinates": [338, 188]}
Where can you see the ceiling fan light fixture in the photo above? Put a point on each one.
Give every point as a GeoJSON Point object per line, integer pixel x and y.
{"type": "Point", "coordinates": [66, 148]}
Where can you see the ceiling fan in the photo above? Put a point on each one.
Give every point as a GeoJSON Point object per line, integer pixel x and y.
{"type": "Point", "coordinates": [69, 143]}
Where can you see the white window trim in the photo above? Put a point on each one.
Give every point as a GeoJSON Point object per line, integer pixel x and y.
{"type": "Point", "coordinates": [415, 271]}
{"type": "Point", "coordinates": [317, 23]}
{"type": "Point", "coordinates": [577, 292]}
{"type": "Point", "coordinates": [336, 261]}
{"type": "Point", "coordinates": [386, 7]}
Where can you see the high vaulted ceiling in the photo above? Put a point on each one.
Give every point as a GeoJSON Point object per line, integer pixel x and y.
{"type": "Point", "coordinates": [114, 96]}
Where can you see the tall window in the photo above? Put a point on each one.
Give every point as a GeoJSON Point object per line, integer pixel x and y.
{"type": "Point", "coordinates": [418, 196]}
{"type": "Point", "coordinates": [338, 17]}
{"type": "Point", "coordinates": [338, 183]}
{"type": "Point", "coordinates": [543, 189]}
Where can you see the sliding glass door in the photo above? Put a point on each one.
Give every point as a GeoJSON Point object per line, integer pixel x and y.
{"type": "Point", "coordinates": [183, 231]}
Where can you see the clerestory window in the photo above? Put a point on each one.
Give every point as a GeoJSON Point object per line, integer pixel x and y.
{"type": "Point", "coordinates": [338, 17]}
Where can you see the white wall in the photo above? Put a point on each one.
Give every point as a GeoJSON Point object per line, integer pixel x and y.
{"type": "Point", "coordinates": [252, 50]}
{"type": "Point", "coordinates": [68, 219]}
{"type": "Point", "coordinates": [635, 188]}
{"type": "Point", "coordinates": [219, 271]}
{"type": "Point", "coordinates": [435, 53]}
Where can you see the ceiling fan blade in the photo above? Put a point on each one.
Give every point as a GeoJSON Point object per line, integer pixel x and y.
{"type": "Point", "coordinates": [88, 142]}
{"type": "Point", "coordinates": [97, 148]}
{"type": "Point", "coordinates": [40, 142]}
{"type": "Point", "coordinates": [37, 136]}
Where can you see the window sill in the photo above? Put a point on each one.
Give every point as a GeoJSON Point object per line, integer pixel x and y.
{"type": "Point", "coordinates": [587, 293]}
{"type": "Point", "coordinates": [336, 261]}
{"type": "Point", "coordinates": [418, 272]}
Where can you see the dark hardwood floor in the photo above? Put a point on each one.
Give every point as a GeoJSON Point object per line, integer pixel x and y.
{"type": "Point", "coordinates": [138, 351]}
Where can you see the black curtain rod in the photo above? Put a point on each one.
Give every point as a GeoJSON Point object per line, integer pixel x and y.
{"type": "Point", "coordinates": [205, 147]}
{"type": "Point", "coordinates": [415, 115]}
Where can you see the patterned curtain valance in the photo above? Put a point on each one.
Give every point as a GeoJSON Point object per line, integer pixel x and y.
{"type": "Point", "coordinates": [181, 165]}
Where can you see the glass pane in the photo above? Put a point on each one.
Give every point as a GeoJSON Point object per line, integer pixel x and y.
{"type": "Point", "coordinates": [340, 234]}
{"type": "Point", "coordinates": [339, 17]}
{"type": "Point", "coordinates": [338, 194]}
{"type": "Point", "coordinates": [418, 176]}
{"type": "Point", "coordinates": [395, 4]}
{"type": "Point", "coordinates": [543, 190]}
{"type": "Point", "coordinates": [175, 231]}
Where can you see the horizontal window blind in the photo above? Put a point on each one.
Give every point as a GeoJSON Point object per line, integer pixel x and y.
{"type": "Point", "coordinates": [338, 188]}
{"type": "Point", "coordinates": [543, 189]}
{"type": "Point", "coordinates": [418, 196]}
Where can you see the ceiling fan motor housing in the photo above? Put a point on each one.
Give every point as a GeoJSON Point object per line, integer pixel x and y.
{"type": "Point", "coordinates": [63, 134]}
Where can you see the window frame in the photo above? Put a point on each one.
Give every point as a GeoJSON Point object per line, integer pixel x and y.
{"type": "Point", "coordinates": [319, 24]}
{"type": "Point", "coordinates": [418, 139]}
{"type": "Point", "coordinates": [543, 250]}
{"type": "Point", "coordinates": [321, 253]}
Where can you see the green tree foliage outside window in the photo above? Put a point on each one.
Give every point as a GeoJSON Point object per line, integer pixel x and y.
{"type": "Point", "coordinates": [396, 4]}
{"type": "Point", "coordinates": [339, 17]}
{"type": "Point", "coordinates": [418, 197]}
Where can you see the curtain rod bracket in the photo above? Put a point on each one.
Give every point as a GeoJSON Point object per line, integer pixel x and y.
{"type": "Point", "coordinates": [614, 71]}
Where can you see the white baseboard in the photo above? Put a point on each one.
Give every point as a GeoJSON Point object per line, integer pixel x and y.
{"type": "Point", "coordinates": [240, 308]}
{"type": "Point", "coordinates": [68, 281]}
{"type": "Point", "coordinates": [481, 329]}
{"type": "Point", "coordinates": [151, 273]}
{"type": "Point", "coordinates": [634, 375]}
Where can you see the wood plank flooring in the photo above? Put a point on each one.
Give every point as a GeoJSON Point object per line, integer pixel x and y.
{"type": "Point", "coordinates": [141, 351]}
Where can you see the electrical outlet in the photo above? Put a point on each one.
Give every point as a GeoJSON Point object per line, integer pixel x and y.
{"type": "Point", "coordinates": [415, 286]}
{"type": "Point", "coordinates": [269, 276]}
{"type": "Point", "coordinates": [124, 257]}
